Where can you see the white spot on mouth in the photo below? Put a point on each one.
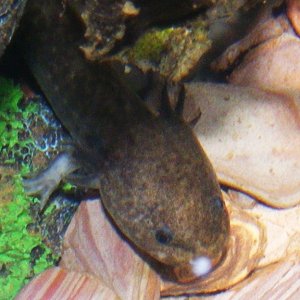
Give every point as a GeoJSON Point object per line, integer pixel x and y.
{"type": "Point", "coordinates": [201, 265]}
{"type": "Point", "coordinates": [161, 255]}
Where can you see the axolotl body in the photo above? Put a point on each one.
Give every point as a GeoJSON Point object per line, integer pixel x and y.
{"type": "Point", "coordinates": [153, 176]}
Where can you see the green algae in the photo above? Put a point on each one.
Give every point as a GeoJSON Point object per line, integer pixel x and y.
{"type": "Point", "coordinates": [19, 260]}
{"type": "Point", "coordinates": [68, 187]}
{"type": "Point", "coordinates": [151, 45]}
{"type": "Point", "coordinates": [9, 125]}
{"type": "Point", "coordinates": [17, 244]}
{"type": "Point", "coordinates": [12, 123]}
{"type": "Point", "coordinates": [174, 52]}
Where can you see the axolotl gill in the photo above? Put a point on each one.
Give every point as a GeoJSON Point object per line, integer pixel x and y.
{"type": "Point", "coordinates": [153, 176]}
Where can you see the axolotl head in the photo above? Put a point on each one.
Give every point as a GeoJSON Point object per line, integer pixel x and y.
{"type": "Point", "coordinates": [164, 196]}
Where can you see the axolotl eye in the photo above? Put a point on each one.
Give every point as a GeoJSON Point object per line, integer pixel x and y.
{"type": "Point", "coordinates": [164, 235]}
{"type": "Point", "coordinates": [218, 202]}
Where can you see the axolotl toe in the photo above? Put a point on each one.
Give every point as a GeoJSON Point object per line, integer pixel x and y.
{"type": "Point", "coordinates": [154, 178]}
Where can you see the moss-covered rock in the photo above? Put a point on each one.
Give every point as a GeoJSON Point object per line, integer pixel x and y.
{"type": "Point", "coordinates": [19, 258]}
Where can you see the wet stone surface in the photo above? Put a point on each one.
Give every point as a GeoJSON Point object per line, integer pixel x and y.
{"type": "Point", "coordinates": [10, 14]}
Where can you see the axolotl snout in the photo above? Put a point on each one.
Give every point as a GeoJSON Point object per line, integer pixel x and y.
{"type": "Point", "coordinates": [154, 178]}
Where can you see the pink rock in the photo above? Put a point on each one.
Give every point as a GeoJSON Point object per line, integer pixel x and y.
{"type": "Point", "coordinates": [57, 283]}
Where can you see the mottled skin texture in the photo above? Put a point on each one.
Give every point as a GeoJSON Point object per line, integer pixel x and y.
{"type": "Point", "coordinates": [154, 178]}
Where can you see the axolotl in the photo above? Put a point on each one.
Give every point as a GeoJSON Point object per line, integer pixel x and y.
{"type": "Point", "coordinates": [153, 176]}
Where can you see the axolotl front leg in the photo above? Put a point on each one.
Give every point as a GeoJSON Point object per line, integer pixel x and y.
{"type": "Point", "coordinates": [49, 179]}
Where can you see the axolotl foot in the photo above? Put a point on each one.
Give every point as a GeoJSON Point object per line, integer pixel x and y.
{"type": "Point", "coordinates": [48, 180]}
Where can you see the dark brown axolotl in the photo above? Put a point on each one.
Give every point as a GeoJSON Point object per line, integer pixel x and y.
{"type": "Point", "coordinates": [153, 176]}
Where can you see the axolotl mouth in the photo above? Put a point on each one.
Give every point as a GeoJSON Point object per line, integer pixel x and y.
{"type": "Point", "coordinates": [197, 268]}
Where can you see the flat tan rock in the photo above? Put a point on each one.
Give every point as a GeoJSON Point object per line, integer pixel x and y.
{"type": "Point", "coordinates": [266, 57]}
{"type": "Point", "coordinates": [281, 228]}
{"type": "Point", "coordinates": [271, 66]}
{"type": "Point", "coordinates": [282, 232]}
{"type": "Point", "coordinates": [252, 138]}
{"type": "Point", "coordinates": [278, 281]}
